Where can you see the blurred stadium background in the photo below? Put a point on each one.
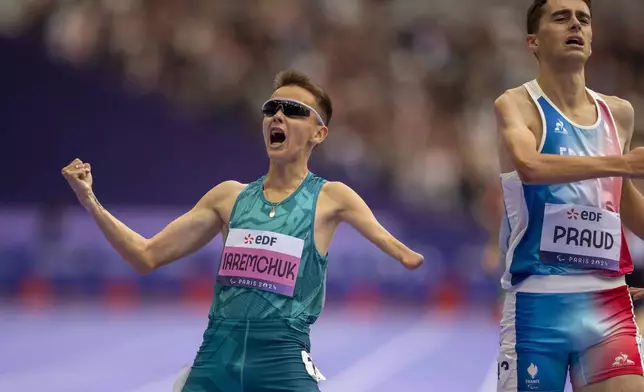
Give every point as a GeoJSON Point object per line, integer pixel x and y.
{"type": "Point", "coordinates": [162, 98]}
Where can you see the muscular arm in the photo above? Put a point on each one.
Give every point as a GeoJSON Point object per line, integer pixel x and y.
{"type": "Point", "coordinates": [180, 238]}
{"type": "Point", "coordinates": [352, 209]}
{"type": "Point", "coordinates": [535, 168]}
{"type": "Point", "coordinates": [632, 205]}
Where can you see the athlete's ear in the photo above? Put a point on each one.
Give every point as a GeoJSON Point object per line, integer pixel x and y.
{"type": "Point", "coordinates": [533, 43]}
{"type": "Point", "coordinates": [320, 134]}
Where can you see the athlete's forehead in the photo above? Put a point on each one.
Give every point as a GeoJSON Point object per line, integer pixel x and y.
{"type": "Point", "coordinates": [297, 93]}
{"type": "Point", "coordinates": [560, 6]}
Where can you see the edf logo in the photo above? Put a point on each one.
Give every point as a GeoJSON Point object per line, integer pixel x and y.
{"type": "Point", "coordinates": [265, 240]}
{"type": "Point", "coordinates": [589, 216]}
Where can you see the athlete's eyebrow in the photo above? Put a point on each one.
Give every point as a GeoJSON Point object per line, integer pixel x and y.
{"type": "Point", "coordinates": [583, 14]}
{"type": "Point", "coordinates": [568, 12]}
{"type": "Point", "coordinates": [565, 12]}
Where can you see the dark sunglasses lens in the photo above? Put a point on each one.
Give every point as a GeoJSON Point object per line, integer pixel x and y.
{"type": "Point", "coordinates": [290, 109]}
{"type": "Point", "coordinates": [270, 108]}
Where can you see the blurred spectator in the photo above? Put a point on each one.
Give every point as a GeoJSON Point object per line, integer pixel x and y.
{"type": "Point", "coordinates": [413, 81]}
{"type": "Point", "coordinates": [52, 251]}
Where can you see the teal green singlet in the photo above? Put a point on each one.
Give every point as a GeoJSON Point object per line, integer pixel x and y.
{"type": "Point", "coordinates": [270, 289]}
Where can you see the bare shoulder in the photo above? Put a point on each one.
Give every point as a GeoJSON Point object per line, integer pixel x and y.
{"type": "Point", "coordinates": [335, 190]}
{"type": "Point", "coordinates": [618, 104]}
{"type": "Point", "coordinates": [340, 202]}
{"type": "Point", "coordinates": [516, 104]}
{"type": "Point", "coordinates": [222, 196]}
{"type": "Point", "coordinates": [512, 96]}
{"type": "Point", "coordinates": [231, 187]}
{"type": "Point", "coordinates": [338, 197]}
{"type": "Point", "coordinates": [621, 109]}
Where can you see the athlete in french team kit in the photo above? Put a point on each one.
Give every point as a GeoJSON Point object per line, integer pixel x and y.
{"type": "Point", "coordinates": [566, 167]}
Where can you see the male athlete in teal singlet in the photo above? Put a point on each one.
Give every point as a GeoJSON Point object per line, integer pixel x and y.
{"type": "Point", "coordinates": [271, 279]}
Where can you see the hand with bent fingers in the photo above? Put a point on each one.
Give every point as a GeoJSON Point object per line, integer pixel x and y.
{"type": "Point", "coordinates": [636, 293]}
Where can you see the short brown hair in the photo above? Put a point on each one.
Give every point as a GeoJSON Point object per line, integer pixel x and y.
{"type": "Point", "coordinates": [291, 77]}
{"type": "Point", "coordinates": [535, 13]}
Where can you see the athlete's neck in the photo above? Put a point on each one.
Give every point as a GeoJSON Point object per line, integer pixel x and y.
{"type": "Point", "coordinates": [285, 175]}
{"type": "Point", "coordinates": [565, 88]}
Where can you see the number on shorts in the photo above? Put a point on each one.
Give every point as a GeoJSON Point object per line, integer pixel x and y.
{"type": "Point", "coordinates": [310, 367]}
{"type": "Point", "coordinates": [505, 365]}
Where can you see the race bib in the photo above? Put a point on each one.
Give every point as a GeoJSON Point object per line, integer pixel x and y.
{"type": "Point", "coordinates": [261, 260]}
{"type": "Point", "coordinates": [581, 237]}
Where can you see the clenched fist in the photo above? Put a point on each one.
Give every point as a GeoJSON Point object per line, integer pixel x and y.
{"type": "Point", "coordinates": [79, 177]}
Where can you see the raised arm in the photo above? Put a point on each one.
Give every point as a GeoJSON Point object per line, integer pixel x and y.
{"type": "Point", "coordinates": [352, 209]}
{"type": "Point", "coordinates": [181, 237]}
{"type": "Point", "coordinates": [535, 168]}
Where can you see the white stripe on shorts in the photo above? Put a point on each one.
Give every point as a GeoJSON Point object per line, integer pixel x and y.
{"type": "Point", "coordinates": [507, 359]}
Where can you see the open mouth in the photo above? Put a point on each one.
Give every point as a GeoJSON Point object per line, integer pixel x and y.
{"type": "Point", "coordinates": [575, 41]}
{"type": "Point", "coordinates": [276, 137]}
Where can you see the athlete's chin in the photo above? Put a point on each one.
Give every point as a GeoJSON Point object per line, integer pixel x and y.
{"type": "Point", "coordinates": [575, 55]}
{"type": "Point", "coordinates": [279, 154]}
